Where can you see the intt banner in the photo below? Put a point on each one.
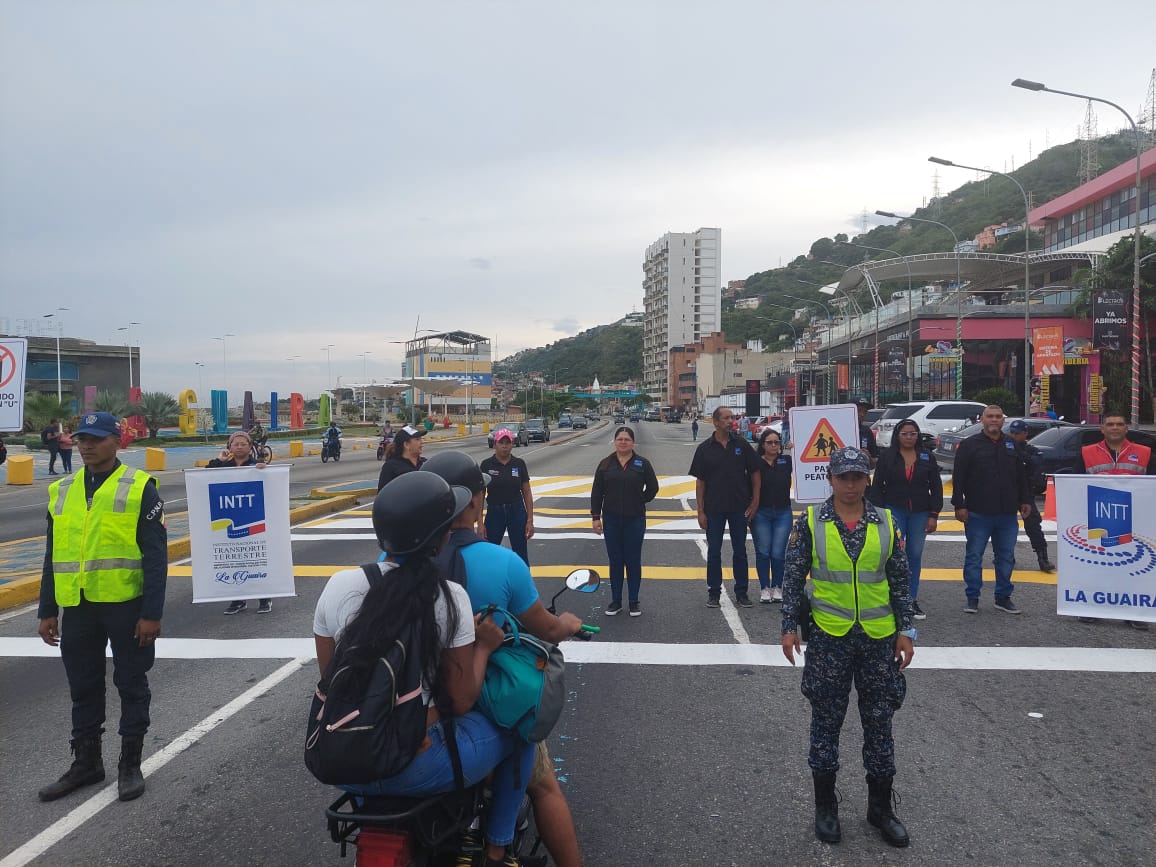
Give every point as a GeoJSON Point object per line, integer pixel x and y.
{"type": "Point", "coordinates": [1106, 540]}
{"type": "Point", "coordinates": [239, 533]}
{"type": "Point", "coordinates": [1109, 318]}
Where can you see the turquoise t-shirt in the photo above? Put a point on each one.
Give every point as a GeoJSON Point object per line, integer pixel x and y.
{"type": "Point", "coordinates": [497, 576]}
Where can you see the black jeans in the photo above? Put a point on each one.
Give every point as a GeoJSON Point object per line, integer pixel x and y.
{"type": "Point", "coordinates": [53, 451]}
{"type": "Point", "coordinates": [86, 630]}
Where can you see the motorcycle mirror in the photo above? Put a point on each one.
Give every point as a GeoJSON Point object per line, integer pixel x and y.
{"type": "Point", "coordinates": [583, 580]}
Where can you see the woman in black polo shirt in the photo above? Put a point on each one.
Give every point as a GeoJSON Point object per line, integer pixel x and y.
{"type": "Point", "coordinates": [509, 500]}
{"type": "Point", "coordinates": [624, 483]}
{"type": "Point", "coordinates": [771, 525]}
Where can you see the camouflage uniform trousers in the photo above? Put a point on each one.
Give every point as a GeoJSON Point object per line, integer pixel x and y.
{"type": "Point", "coordinates": [832, 664]}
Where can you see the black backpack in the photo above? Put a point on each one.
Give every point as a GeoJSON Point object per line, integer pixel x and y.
{"type": "Point", "coordinates": [44, 436]}
{"type": "Point", "coordinates": [367, 720]}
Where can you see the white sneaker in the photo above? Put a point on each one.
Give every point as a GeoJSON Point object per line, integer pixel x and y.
{"type": "Point", "coordinates": [765, 595]}
{"type": "Point", "coordinates": [777, 594]}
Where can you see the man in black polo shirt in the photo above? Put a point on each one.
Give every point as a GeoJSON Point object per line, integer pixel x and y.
{"type": "Point", "coordinates": [727, 494]}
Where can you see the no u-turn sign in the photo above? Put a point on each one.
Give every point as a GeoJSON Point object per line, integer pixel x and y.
{"type": "Point", "coordinates": [13, 359]}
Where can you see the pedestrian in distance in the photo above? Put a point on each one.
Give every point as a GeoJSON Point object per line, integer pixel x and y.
{"type": "Point", "coordinates": [771, 524]}
{"type": "Point", "coordinates": [238, 452]}
{"type": "Point", "coordinates": [727, 487]}
{"type": "Point", "coordinates": [494, 575]}
{"type": "Point", "coordinates": [624, 482]}
{"type": "Point", "coordinates": [509, 498]}
{"type": "Point", "coordinates": [694, 429]}
{"type": "Point", "coordinates": [907, 483]}
{"type": "Point", "coordinates": [411, 519]}
{"type": "Point", "coordinates": [50, 437]}
{"type": "Point", "coordinates": [65, 442]}
{"type": "Point", "coordinates": [990, 486]}
{"type": "Point", "coordinates": [106, 566]}
{"type": "Point", "coordinates": [1037, 484]}
{"type": "Point", "coordinates": [402, 456]}
{"type": "Point", "coordinates": [858, 610]}
{"type": "Point", "coordinates": [867, 440]}
{"type": "Point", "coordinates": [1116, 455]}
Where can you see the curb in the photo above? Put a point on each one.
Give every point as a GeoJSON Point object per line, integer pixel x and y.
{"type": "Point", "coordinates": [24, 590]}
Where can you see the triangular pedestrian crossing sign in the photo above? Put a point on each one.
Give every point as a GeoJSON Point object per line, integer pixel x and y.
{"type": "Point", "coordinates": [822, 442]}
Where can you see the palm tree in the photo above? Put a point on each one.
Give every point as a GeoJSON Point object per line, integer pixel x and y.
{"type": "Point", "coordinates": [40, 408]}
{"type": "Point", "coordinates": [158, 408]}
{"type": "Point", "coordinates": [110, 401]}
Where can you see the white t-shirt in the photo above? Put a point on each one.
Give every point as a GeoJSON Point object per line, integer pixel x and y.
{"type": "Point", "coordinates": [344, 591]}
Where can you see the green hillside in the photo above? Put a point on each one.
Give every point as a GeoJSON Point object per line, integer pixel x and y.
{"type": "Point", "coordinates": [613, 353]}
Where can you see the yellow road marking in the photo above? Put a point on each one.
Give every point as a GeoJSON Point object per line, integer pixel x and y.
{"type": "Point", "coordinates": [662, 573]}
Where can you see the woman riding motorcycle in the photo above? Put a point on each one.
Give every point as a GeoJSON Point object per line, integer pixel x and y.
{"type": "Point", "coordinates": [411, 517]}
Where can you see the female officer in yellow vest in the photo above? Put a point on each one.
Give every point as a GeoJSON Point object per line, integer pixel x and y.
{"type": "Point", "coordinates": [860, 605]}
{"type": "Point", "coordinates": [106, 565]}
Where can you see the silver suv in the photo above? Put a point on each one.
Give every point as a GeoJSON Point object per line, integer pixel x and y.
{"type": "Point", "coordinates": [933, 417]}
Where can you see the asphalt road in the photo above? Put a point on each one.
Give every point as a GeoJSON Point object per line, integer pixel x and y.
{"type": "Point", "coordinates": [681, 744]}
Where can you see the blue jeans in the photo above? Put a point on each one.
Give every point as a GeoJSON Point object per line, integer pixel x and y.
{"type": "Point", "coordinates": [623, 536]}
{"type": "Point", "coordinates": [1002, 530]}
{"type": "Point", "coordinates": [716, 524]}
{"type": "Point", "coordinates": [913, 526]}
{"type": "Point", "coordinates": [770, 529]}
{"type": "Point", "coordinates": [482, 748]}
{"type": "Point", "coordinates": [508, 517]}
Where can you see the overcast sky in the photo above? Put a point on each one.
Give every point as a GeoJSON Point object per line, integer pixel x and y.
{"type": "Point", "coordinates": [301, 173]}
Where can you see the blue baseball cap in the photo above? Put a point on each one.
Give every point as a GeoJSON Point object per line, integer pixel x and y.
{"type": "Point", "coordinates": [1018, 426]}
{"type": "Point", "coordinates": [850, 460]}
{"type": "Point", "coordinates": [99, 424]}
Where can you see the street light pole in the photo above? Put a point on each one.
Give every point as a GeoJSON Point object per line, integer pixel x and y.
{"type": "Point", "coordinates": [907, 265]}
{"type": "Point", "coordinates": [59, 331]}
{"type": "Point", "coordinates": [225, 365]}
{"type": "Point", "coordinates": [128, 343]}
{"type": "Point", "coordinates": [830, 332]}
{"type": "Point", "coordinates": [364, 381]}
{"type": "Point", "coordinates": [1027, 272]}
{"type": "Point", "coordinates": [958, 298]}
{"type": "Point", "coordinates": [1135, 396]}
{"type": "Point", "coordinates": [328, 350]}
{"type": "Point", "coordinates": [795, 351]}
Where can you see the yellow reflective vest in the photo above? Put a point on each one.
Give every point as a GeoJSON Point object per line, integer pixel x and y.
{"type": "Point", "coordinates": [95, 549]}
{"type": "Point", "coordinates": [844, 591]}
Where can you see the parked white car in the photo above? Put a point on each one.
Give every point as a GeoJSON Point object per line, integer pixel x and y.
{"type": "Point", "coordinates": [933, 417]}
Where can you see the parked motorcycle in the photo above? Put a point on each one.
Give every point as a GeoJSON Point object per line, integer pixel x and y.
{"type": "Point", "coordinates": [439, 829]}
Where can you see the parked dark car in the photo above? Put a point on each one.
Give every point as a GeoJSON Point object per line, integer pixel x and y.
{"type": "Point", "coordinates": [513, 427]}
{"type": "Point", "coordinates": [537, 431]}
{"type": "Point", "coordinates": [949, 442]}
{"type": "Point", "coordinates": [580, 422]}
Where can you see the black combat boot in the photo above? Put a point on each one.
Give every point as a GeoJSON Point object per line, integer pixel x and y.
{"type": "Point", "coordinates": [1046, 565]}
{"type": "Point", "coordinates": [826, 807]}
{"type": "Point", "coordinates": [87, 768]}
{"type": "Point", "coordinates": [881, 814]}
{"type": "Point", "coordinates": [130, 782]}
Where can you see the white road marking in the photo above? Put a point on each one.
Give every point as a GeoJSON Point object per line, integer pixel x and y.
{"type": "Point", "coordinates": [70, 822]}
{"type": "Point", "coordinates": [10, 615]}
{"type": "Point", "coordinates": [597, 652]}
{"type": "Point", "coordinates": [730, 613]}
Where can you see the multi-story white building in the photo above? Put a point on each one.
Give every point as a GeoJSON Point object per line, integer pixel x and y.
{"type": "Point", "coordinates": [682, 297]}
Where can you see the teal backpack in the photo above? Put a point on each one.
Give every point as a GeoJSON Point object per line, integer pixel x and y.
{"type": "Point", "coordinates": [524, 690]}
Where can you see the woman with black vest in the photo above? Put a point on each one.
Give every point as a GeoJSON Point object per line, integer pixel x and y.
{"type": "Point", "coordinates": [624, 483]}
{"type": "Point", "coordinates": [907, 483]}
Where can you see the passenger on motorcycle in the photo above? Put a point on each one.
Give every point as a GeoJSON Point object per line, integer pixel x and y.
{"type": "Point", "coordinates": [412, 519]}
{"type": "Point", "coordinates": [494, 575]}
{"type": "Point", "coordinates": [402, 456]}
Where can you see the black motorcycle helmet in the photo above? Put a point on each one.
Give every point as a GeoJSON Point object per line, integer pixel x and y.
{"type": "Point", "coordinates": [413, 509]}
{"type": "Point", "coordinates": [458, 468]}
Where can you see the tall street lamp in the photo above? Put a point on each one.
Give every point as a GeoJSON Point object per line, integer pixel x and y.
{"type": "Point", "coordinates": [958, 294]}
{"type": "Point", "coordinates": [830, 330]}
{"type": "Point", "coordinates": [795, 350]}
{"type": "Point", "coordinates": [1037, 86]}
{"type": "Point", "coordinates": [128, 343]}
{"type": "Point", "coordinates": [292, 359]}
{"type": "Point", "coordinates": [1027, 274]}
{"type": "Point", "coordinates": [328, 350]}
{"type": "Point", "coordinates": [225, 364]}
{"type": "Point", "coordinates": [555, 391]}
{"type": "Point", "coordinates": [364, 381]}
{"type": "Point", "coordinates": [831, 289]}
{"type": "Point", "coordinates": [59, 331]}
{"type": "Point", "coordinates": [875, 396]}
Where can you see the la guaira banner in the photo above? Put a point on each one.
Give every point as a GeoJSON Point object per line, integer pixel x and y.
{"type": "Point", "coordinates": [1106, 542]}
{"type": "Point", "coordinates": [239, 533]}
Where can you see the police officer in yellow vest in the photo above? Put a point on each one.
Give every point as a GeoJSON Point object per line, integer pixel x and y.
{"type": "Point", "coordinates": [106, 565]}
{"type": "Point", "coordinates": [860, 618]}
